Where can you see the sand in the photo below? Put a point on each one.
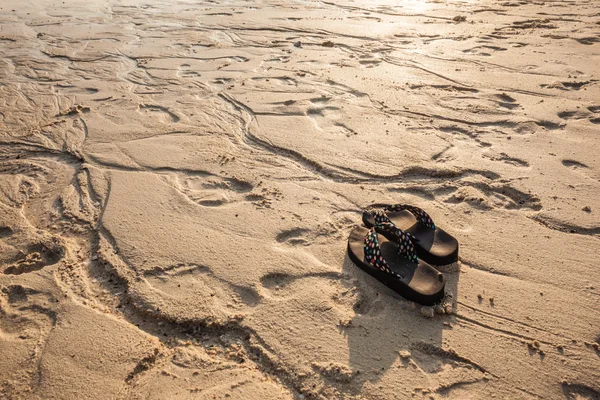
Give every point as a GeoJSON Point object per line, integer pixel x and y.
{"type": "Point", "coordinates": [178, 180]}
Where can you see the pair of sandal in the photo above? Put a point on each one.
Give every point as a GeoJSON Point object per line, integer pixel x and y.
{"type": "Point", "coordinates": [399, 246]}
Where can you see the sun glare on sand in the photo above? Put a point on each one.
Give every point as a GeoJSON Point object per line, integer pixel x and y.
{"type": "Point", "coordinates": [182, 186]}
{"type": "Point", "coordinates": [412, 6]}
{"type": "Point", "coordinates": [417, 6]}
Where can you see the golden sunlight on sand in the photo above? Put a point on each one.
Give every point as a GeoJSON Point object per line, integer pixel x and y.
{"type": "Point", "coordinates": [182, 185]}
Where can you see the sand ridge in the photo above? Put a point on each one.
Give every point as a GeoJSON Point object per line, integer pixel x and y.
{"type": "Point", "coordinates": [178, 180]}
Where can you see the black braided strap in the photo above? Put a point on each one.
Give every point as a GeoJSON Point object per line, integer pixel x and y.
{"type": "Point", "coordinates": [380, 217]}
{"type": "Point", "coordinates": [372, 248]}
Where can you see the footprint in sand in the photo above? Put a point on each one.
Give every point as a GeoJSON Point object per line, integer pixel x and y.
{"type": "Point", "coordinates": [186, 283]}
{"type": "Point", "coordinates": [578, 391]}
{"type": "Point", "coordinates": [369, 61]}
{"type": "Point", "coordinates": [580, 167]}
{"type": "Point", "coordinates": [367, 304]}
{"type": "Point", "coordinates": [506, 159]}
{"type": "Point", "coordinates": [5, 231]}
{"type": "Point", "coordinates": [574, 164]}
{"type": "Point", "coordinates": [446, 369]}
{"type": "Point", "coordinates": [486, 197]}
{"type": "Point", "coordinates": [282, 285]}
{"type": "Point", "coordinates": [293, 237]}
{"type": "Point", "coordinates": [184, 71]}
{"type": "Point", "coordinates": [568, 85]}
{"type": "Point", "coordinates": [485, 50]}
{"type": "Point", "coordinates": [215, 192]}
{"type": "Point", "coordinates": [576, 115]}
{"type": "Point", "coordinates": [328, 231]}
{"type": "Point", "coordinates": [75, 89]}
{"type": "Point", "coordinates": [38, 257]}
{"type": "Point", "coordinates": [506, 101]}
{"type": "Point", "coordinates": [24, 329]}
{"type": "Point", "coordinates": [595, 110]}
{"type": "Point", "coordinates": [583, 114]}
{"type": "Point", "coordinates": [588, 40]}
{"type": "Point", "coordinates": [162, 112]}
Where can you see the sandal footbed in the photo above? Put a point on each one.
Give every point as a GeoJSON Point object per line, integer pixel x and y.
{"type": "Point", "coordinates": [420, 282]}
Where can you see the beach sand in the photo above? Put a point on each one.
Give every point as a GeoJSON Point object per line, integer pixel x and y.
{"type": "Point", "coordinates": [178, 180]}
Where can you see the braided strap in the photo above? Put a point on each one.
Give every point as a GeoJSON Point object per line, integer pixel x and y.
{"type": "Point", "coordinates": [419, 214]}
{"type": "Point", "coordinates": [372, 248]}
{"type": "Point", "coordinates": [373, 253]}
{"type": "Point", "coordinates": [379, 216]}
{"type": "Point", "coordinates": [405, 240]}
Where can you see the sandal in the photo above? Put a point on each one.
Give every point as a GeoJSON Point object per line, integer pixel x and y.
{"type": "Point", "coordinates": [388, 254]}
{"type": "Point", "coordinates": [432, 243]}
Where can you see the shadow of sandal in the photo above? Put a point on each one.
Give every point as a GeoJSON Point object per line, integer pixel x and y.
{"type": "Point", "coordinates": [388, 331]}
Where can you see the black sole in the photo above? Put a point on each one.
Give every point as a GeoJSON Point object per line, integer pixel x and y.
{"type": "Point", "coordinates": [398, 286]}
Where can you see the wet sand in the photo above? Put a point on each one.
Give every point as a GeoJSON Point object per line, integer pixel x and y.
{"type": "Point", "coordinates": [178, 180]}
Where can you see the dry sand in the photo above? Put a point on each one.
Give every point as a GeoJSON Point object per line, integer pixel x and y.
{"type": "Point", "coordinates": [178, 180]}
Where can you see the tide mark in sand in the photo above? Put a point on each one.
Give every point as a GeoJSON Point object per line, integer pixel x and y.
{"type": "Point", "coordinates": [159, 109]}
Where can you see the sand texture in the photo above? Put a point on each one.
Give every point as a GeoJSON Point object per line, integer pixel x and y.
{"type": "Point", "coordinates": [178, 180]}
